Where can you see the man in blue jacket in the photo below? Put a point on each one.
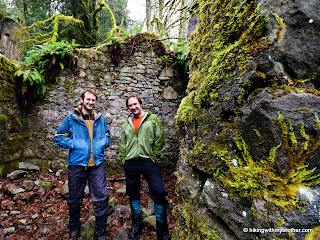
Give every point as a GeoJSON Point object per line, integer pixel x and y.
{"type": "Point", "coordinates": [85, 133]}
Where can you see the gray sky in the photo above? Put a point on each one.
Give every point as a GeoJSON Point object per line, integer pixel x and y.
{"type": "Point", "coordinates": [137, 9]}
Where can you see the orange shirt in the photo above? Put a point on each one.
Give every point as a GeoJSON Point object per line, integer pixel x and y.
{"type": "Point", "coordinates": [136, 123]}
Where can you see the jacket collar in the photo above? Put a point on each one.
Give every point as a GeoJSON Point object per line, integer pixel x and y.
{"type": "Point", "coordinates": [79, 115]}
{"type": "Point", "coordinates": [147, 114]}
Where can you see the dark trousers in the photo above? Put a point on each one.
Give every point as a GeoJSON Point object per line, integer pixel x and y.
{"type": "Point", "coordinates": [77, 178]}
{"type": "Point", "coordinates": [151, 172]}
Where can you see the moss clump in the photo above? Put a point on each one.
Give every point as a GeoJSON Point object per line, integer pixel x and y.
{"type": "Point", "coordinates": [196, 225]}
{"type": "Point", "coordinates": [302, 109]}
{"type": "Point", "coordinates": [314, 235]}
{"type": "Point", "coordinates": [227, 36]}
{"type": "Point", "coordinates": [46, 185]}
{"type": "Point", "coordinates": [187, 112]}
{"type": "Point", "coordinates": [250, 179]}
{"type": "Point", "coordinates": [3, 118]}
{"type": "Point", "coordinates": [6, 65]}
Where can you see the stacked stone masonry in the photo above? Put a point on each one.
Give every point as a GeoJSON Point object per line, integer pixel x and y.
{"type": "Point", "coordinates": [140, 73]}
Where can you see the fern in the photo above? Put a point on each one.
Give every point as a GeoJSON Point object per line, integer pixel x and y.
{"type": "Point", "coordinates": [37, 62]}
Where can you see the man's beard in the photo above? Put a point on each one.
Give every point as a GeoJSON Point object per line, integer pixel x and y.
{"type": "Point", "coordinates": [88, 110]}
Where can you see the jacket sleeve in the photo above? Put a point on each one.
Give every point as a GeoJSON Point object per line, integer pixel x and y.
{"type": "Point", "coordinates": [63, 137]}
{"type": "Point", "coordinates": [122, 145]}
{"type": "Point", "coordinates": [159, 145]}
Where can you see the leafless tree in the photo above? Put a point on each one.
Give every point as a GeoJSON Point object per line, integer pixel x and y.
{"type": "Point", "coordinates": [167, 17]}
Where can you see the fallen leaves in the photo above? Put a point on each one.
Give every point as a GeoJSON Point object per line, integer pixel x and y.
{"type": "Point", "coordinates": [42, 213]}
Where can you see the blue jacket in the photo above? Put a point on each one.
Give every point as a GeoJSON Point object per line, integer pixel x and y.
{"type": "Point", "coordinates": [73, 134]}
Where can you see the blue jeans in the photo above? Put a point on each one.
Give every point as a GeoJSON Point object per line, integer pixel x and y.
{"type": "Point", "coordinates": [151, 172]}
{"type": "Point", "coordinates": [78, 177]}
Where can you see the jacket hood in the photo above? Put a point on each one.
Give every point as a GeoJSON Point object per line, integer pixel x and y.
{"type": "Point", "coordinates": [78, 113]}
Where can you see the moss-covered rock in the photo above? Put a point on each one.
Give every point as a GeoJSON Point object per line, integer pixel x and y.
{"type": "Point", "coordinates": [11, 137]}
{"type": "Point", "coordinates": [249, 124]}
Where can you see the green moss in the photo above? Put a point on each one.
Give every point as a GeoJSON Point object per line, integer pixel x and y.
{"type": "Point", "coordinates": [227, 35]}
{"type": "Point", "coordinates": [6, 66]}
{"type": "Point", "coordinates": [203, 155]}
{"type": "Point", "coordinates": [14, 142]}
{"type": "Point", "coordinates": [46, 185]}
{"type": "Point", "coordinates": [15, 124]}
{"type": "Point", "coordinates": [187, 112]}
{"type": "Point", "coordinates": [281, 26]}
{"type": "Point", "coordinates": [2, 169]}
{"type": "Point", "coordinates": [197, 226]}
{"type": "Point", "coordinates": [242, 176]}
{"type": "Point", "coordinates": [68, 86]}
{"type": "Point", "coordinates": [291, 86]}
{"type": "Point", "coordinates": [44, 165]}
{"type": "Point", "coordinates": [315, 234]}
{"type": "Point", "coordinates": [302, 109]}
{"type": "Point", "coordinates": [3, 118]}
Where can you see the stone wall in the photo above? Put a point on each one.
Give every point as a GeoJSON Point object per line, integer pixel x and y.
{"type": "Point", "coordinates": [10, 118]}
{"type": "Point", "coordinates": [160, 87]}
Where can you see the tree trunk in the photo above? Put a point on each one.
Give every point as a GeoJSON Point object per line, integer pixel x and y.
{"type": "Point", "coordinates": [149, 14]}
{"type": "Point", "coordinates": [94, 20]}
{"type": "Point", "coordinates": [182, 21]}
{"type": "Point", "coordinates": [25, 8]}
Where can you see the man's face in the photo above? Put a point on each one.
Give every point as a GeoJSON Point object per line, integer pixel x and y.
{"type": "Point", "coordinates": [135, 107]}
{"type": "Point", "coordinates": [88, 102]}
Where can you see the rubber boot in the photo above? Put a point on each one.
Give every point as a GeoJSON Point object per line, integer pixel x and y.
{"type": "Point", "coordinates": [137, 226]}
{"type": "Point", "coordinates": [101, 227]}
{"type": "Point", "coordinates": [74, 223]}
{"type": "Point", "coordinates": [161, 221]}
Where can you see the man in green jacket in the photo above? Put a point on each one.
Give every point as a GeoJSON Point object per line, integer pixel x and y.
{"type": "Point", "coordinates": [141, 143]}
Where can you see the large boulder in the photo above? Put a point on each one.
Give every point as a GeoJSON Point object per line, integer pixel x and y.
{"type": "Point", "coordinates": [249, 127]}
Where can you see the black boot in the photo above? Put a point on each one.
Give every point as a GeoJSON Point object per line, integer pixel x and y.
{"type": "Point", "coordinates": [74, 234]}
{"type": "Point", "coordinates": [162, 231]}
{"type": "Point", "coordinates": [136, 228]}
{"type": "Point", "coordinates": [101, 227]}
{"type": "Point", "coordinates": [137, 225]}
{"type": "Point", "coordinates": [162, 225]}
{"type": "Point", "coordinates": [74, 223]}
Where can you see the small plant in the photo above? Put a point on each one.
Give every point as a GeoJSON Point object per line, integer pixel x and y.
{"type": "Point", "coordinates": [42, 64]}
{"type": "Point", "coordinates": [33, 77]}
{"type": "Point", "coordinates": [191, 224]}
{"type": "Point", "coordinates": [177, 53]}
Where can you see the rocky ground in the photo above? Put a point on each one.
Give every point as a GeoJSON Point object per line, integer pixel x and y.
{"type": "Point", "coordinates": [33, 206]}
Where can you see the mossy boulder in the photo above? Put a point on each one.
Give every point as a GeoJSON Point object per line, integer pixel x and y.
{"type": "Point", "coordinates": [249, 125]}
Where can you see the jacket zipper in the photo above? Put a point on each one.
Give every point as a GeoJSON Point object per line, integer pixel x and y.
{"type": "Point", "coordinates": [84, 124]}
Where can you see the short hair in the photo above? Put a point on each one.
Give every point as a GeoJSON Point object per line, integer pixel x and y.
{"type": "Point", "coordinates": [134, 96]}
{"type": "Point", "coordinates": [89, 91]}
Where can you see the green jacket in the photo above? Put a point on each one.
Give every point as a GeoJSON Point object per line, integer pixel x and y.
{"type": "Point", "coordinates": [148, 143]}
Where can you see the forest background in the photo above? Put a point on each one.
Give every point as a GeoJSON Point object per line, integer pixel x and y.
{"type": "Point", "coordinates": [92, 22]}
